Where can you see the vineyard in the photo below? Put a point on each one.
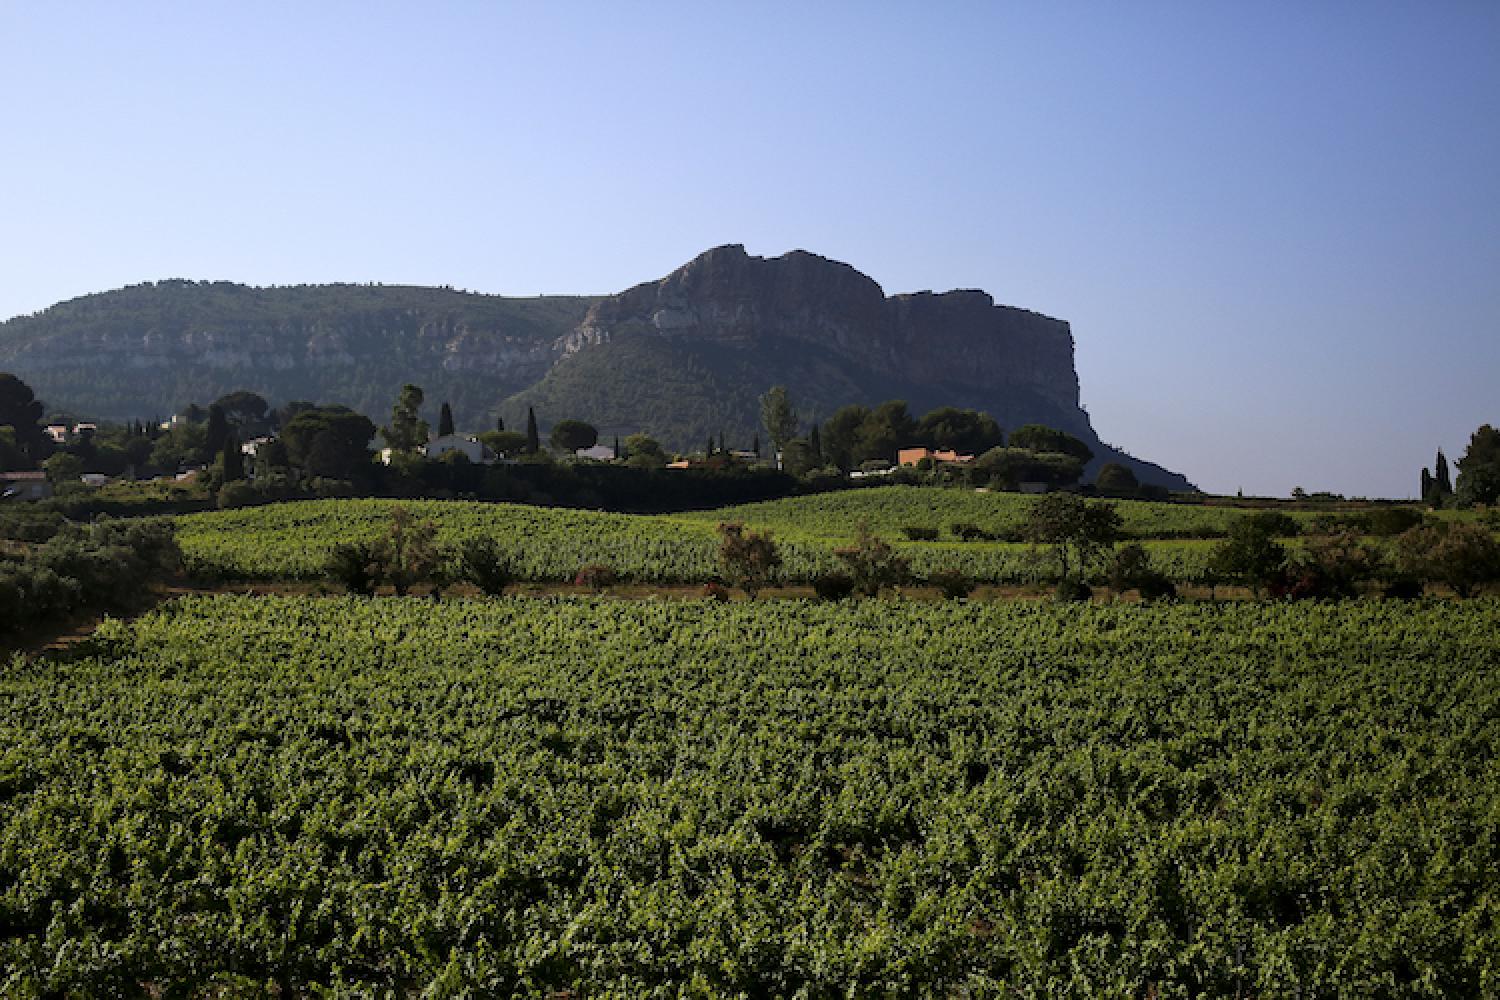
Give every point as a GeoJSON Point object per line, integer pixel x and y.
{"type": "Point", "coordinates": [589, 797]}
{"type": "Point", "coordinates": [293, 540]}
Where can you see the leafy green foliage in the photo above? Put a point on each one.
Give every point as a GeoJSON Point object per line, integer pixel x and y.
{"type": "Point", "coordinates": [571, 435]}
{"type": "Point", "coordinates": [1077, 531]}
{"type": "Point", "coordinates": [1038, 438]}
{"type": "Point", "coordinates": [872, 564]}
{"type": "Point", "coordinates": [604, 798]}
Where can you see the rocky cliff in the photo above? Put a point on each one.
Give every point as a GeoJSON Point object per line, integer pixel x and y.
{"type": "Point", "coordinates": [682, 358]}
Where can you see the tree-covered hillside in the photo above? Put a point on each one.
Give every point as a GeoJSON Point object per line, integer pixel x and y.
{"type": "Point", "coordinates": [150, 348]}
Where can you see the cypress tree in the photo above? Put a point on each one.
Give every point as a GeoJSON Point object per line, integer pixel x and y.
{"type": "Point", "coordinates": [499, 423]}
{"type": "Point", "coordinates": [445, 421]}
{"type": "Point", "coordinates": [1426, 486]}
{"type": "Point", "coordinates": [618, 453]}
{"type": "Point", "coordinates": [709, 451]}
{"type": "Point", "coordinates": [755, 446]}
{"type": "Point", "coordinates": [216, 432]}
{"type": "Point", "coordinates": [233, 459]}
{"type": "Point", "coordinates": [721, 440]}
{"type": "Point", "coordinates": [815, 444]}
{"type": "Point", "coordinates": [1444, 484]}
{"type": "Point", "coordinates": [533, 439]}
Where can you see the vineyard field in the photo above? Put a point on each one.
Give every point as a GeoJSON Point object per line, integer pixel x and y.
{"type": "Point", "coordinates": [588, 797]}
{"type": "Point", "coordinates": [293, 540]}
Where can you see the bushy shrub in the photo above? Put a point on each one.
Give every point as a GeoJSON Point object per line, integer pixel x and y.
{"type": "Point", "coordinates": [872, 564]}
{"type": "Point", "coordinates": [237, 493]}
{"type": "Point", "coordinates": [1069, 589]}
{"type": "Point", "coordinates": [833, 586]}
{"type": "Point", "coordinates": [748, 559]}
{"type": "Point", "coordinates": [1130, 569]}
{"type": "Point", "coordinates": [966, 532]}
{"type": "Point", "coordinates": [482, 562]}
{"type": "Point", "coordinates": [596, 577]}
{"type": "Point", "coordinates": [917, 533]}
{"type": "Point", "coordinates": [716, 592]}
{"type": "Point", "coordinates": [25, 522]}
{"type": "Point", "coordinates": [352, 564]}
{"type": "Point", "coordinates": [1463, 556]}
{"type": "Point", "coordinates": [1389, 522]}
{"type": "Point", "coordinates": [953, 584]}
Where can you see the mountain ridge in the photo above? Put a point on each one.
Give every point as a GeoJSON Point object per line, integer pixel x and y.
{"type": "Point", "coordinates": [682, 357]}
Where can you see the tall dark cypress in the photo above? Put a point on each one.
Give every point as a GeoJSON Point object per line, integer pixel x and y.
{"type": "Point", "coordinates": [533, 439]}
{"type": "Point", "coordinates": [234, 459]}
{"type": "Point", "coordinates": [499, 423]}
{"type": "Point", "coordinates": [1444, 484]}
{"type": "Point", "coordinates": [815, 445]}
{"type": "Point", "coordinates": [1426, 486]}
{"type": "Point", "coordinates": [215, 433]}
{"type": "Point", "coordinates": [755, 446]}
{"type": "Point", "coordinates": [618, 453]}
{"type": "Point", "coordinates": [445, 421]}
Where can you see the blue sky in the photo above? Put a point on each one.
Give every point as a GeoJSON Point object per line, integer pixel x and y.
{"type": "Point", "coordinates": [1275, 227]}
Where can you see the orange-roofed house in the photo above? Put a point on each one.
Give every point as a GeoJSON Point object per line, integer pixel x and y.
{"type": "Point", "coordinates": [911, 456]}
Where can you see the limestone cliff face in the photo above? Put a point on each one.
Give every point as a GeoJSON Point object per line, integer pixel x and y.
{"type": "Point", "coordinates": [957, 338]}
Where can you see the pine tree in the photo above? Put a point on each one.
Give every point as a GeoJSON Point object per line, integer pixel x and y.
{"type": "Point", "coordinates": [445, 421]}
{"type": "Point", "coordinates": [533, 439]}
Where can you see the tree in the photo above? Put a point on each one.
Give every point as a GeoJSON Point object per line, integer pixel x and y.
{"type": "Point", "coordinates": [407, 431]}
{"type": "Point", "coordinates": [840, 437]}
{"type": "Point", "coordinates": [331, 442]}
{"type": "Point", "coordinates": [965, 431]}
{"type": "Point", "coordinates": [499, 423]}
{"type": "Point", "coordinates": [1440, 474]}
{"type": "Point", "coordinates": [755, 446]}
{"type": "Point", "coordinates": [504, 443]}
{"type": "Point", "coordinates": [533, 439]}
{"type": "Point", "coordinates": [406, 554]}
{"type": "Point", "coordinates": [619, 454]}
{"type": "Point", "coordinates": [748, 559]}
{"type": "Point", "coordinates": [1008, 468]}
{"type": "Point", "coordinates": [815, 447]}
{"type": "Point", "coordinates": [21, 411]}
{"type": "Point", "coordinates": [1250, 553]}
{"type": "Point", "coordinates": [215, 434]}
{"type": "Point", "coordinates": [1077, 530]}
{"type": "Point", "coordinates": [645, 452]}
{"type": "Point", "coordinates": [886, 429]}
{"type": "Point", "coordinates": [1036, 437]}
{"type": "Point", "coordinates": [63, 469]}
{"type": "Point", "coordinates": [778, 417]}
{"type": "Point", "coordinates": [572, 435]}
{"type": "Point", "coordinates": [445, 420]}
{"type": "Point", "coordinates": [1428, 486]}
{"type": "Point", "coordinates": [232, 459]}
{"type": "Point", "coordinates": [1479, 469]}
{"type": "Point", "coordinates": [1116, 479]}
{"type": "Point", "coordinates": [244, 409]}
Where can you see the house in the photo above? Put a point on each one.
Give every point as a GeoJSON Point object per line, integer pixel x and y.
{"type": "Point", "coordinates": [599, 453]}
{"type": "Point", "coordinates": [24, 486]}
{"type": "Point", "coordinates": [93, 479]}
{"type": "Point", "coordinates": [57, 432]}
{"type": "Point", "coordinates": [254, 445]}
{"type": "Point", "coordinates": [470, 447]}
{"type": "Point", "coordinates": [911, 456]}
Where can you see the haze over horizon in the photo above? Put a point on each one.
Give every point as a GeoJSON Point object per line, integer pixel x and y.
{"type": "Point", "coordinates": [1275, 229]}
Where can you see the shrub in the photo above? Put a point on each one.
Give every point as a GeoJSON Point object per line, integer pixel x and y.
{"type": "Point", "coordinates": [1078, 531]}
{"type": "Point", "coordinates": [872, 563]}
{"type": "Point", "coordinates": [406, 554]}
{"type": "Point", "coordinates": [1130, 569]}
{"type": "Point", "coordinates": [966, 532]}
{"type": "Point", "coordinates": [749, 559]}
{"type": "Point", "coordinates": [953, 584]}
{"type": "Point", "coordinates": [716, 592]}
{"type": "Point", "coordinates": [1251, 553]}
{"type": "Point", "coordinates": [1392, 521]}
{"type": "Point", "coordinates": [1331, 565]}
{"type": "Point", "coordinates": [833, 586]}
{"type": "Point", "coordinates": [917, 533]}
{"type": "Point", "coordinates": [1463, 556]}
{"type": "Point", "coordinates": [596, 577]}
{"type": "Point", "coordinates": [236, 494]}
{"type": "Point", "coordinates": [483, 563]}
{"type": "Point", "coordinates": [352, 564]}
{"type": "Point", "coordinates": [1069, 589]}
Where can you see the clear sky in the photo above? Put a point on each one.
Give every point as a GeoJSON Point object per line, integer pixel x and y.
{"type": "Point", "coordinates": [1274, 226]}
